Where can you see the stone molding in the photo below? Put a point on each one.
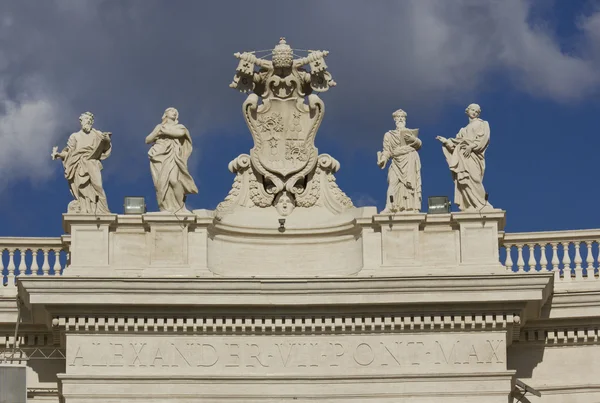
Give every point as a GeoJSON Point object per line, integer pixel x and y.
{"type": "Point", "coordinates": [439, 291]}
{"type": "Point", "coordinates": [416, 388]}
{"type": "Point", "coordinates": [285, 324]}
{"type": "Point", "coordinates": [584, 334]}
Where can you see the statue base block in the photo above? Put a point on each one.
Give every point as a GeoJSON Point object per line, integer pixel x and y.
{"type": "Point", "coordinates": [309, 242]}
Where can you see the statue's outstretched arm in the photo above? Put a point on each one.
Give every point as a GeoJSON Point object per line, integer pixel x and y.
{"type": "Point", "coordinates": [59, 155]}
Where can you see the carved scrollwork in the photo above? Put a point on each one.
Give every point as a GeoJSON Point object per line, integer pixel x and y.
{"type": "Point", "coordinates": [239, 188]}
{"type": "Point", "coordinates": [322, 189]}
{"type": "Point", "coordinates": [310, 196]}
{"type": "Point", "coordinates": [241, 163]}
{"type": "Point", "coordinates": [339, 201]}
{"type": "Point", "coordinates": [258, 195]}
{"type": "Point", "coordinates": [328, 163]}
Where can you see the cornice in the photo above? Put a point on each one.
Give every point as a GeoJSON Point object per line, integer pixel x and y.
{"type": "Point", "coordinates": [569, 304]}
{"type": "Point", "coordinates": [433, 291]}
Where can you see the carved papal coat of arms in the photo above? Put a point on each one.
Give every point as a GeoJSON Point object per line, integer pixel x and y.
{"type": "Point", "coordinates": [283, 114]}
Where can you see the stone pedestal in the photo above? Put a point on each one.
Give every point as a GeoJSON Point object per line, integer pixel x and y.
{"type": "Point", "coordinates": [400, 240]}
{"type": "Point", "coordinates": [168, 244]}
{"type": "Point", "coordinates": [90, 242]}
{"type": "Point", "coordinates": [309, 242]}
{"type": "Point", "coordinates": [148, 245]}
{"type": "Point", "coordinates": [479, 236]}
{"type": "Point", "coordinates": [417, 243]}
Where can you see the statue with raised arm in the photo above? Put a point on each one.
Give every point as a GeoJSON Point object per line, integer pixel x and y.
{"type": "Point", "coordinates": [404, 175]}
{"type": "Point", "coordinates": [172, 146]}
{"type": "Point", "coordinates": [466, 158]}
{"type": "Point", "coordinates": [81, 161]}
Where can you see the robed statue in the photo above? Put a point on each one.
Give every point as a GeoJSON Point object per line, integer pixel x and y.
{"type": "Point", "coordinates": [81, 161]}
{"type": "Point", "coordinates": [466, 158]}
{"type": "Point", "coordinates": [169, 154]}
{"type": "Point", "coordinates": [404, 175]}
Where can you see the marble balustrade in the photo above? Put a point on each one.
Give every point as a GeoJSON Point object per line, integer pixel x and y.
{"type": "Point", "coordinates": [31, 257]}
{"type": "Point", "coordinates": [570, 255]}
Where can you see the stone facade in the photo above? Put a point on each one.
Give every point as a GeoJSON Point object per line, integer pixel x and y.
{"type": "Point", "coordinates": [427, 314]}
{"type": "Point", "coordinates": [287, 292]}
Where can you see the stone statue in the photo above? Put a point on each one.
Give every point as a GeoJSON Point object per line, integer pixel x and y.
{"type": "Point", "coordinates": [168, 162]}
{"type": "Point", "coordinates": [466, 157]}
{"type": "Point", "coordinates": [284, 165]}
{"type": "Point", "coordinates": [404, 175]}
{"type": "Point", "coordinates": [81, 161]}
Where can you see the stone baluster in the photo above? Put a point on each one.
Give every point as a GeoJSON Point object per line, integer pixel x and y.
{"type": "Point", "coordinates": [520, 261]}
{"type": "Point", "coordinates": [589, 260]}
{"type": "Point", "coordinates": [509, 262]}
{"type": "Point", "coordinates": [11, 267]}
{"type": "Point", "coordinates": [543, 259]}
{"type": "Point", "coordinates": [46, 264]}
{"type": "Point", "coordinates": [19, 262]}
{"type": "Point", "coordinates": [578, 260]}
{"type": "Point", "coordinates": [566, 261]}
{"type": "Point", "coordinates": [531, 261]}
{"type": "Point", "coordinates": [555, 266]}
{"type": "Point", "coordinates": [35, 265]}
{"type": "Point", "coordinates": [68, 260]}
{"type": "Point", "coordinates": [53, 265]}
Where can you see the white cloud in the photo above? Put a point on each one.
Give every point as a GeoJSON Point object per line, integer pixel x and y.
{"type": "Point", "coordinates": [29, 128]}
{"type": "Point", "coordinates": [457, 44]}
{"type": "Point", "coordinates": [363, 200]}
{"type": "Point", "coordinates": [127, 61]}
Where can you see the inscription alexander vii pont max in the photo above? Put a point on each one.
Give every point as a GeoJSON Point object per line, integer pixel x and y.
{"type": "Point", "coordinates": [385, 353]}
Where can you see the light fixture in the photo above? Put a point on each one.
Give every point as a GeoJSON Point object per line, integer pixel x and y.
{"type": "Point", "coordinates": [526, 389]}
{"type": "Point", "coordinates": [281, 225]}
{"type": "Point", "coordinates": [438, 205]}
{"type": "Point", "coordinates": [134, 205]}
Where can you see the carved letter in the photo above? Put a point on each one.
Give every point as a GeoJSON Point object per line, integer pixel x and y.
{"type": "Point", "coordinates": [79, 356]}
{"type": "Point", "coordinates": [136, 353]}
{"type": "Point", "coordinates": [415, 353]}
{"type": "Point", "coordinates": [473, 353]}
{"type": "Point", "coordinates": [203, 356]}
{"type": "Point", "coordinates": [314, 357]}
{"type": "Point", "coordinates": [158, 356]}
{"type": "Point", "coordinates": [494, 351]}
{"type": "Point", "coordinates": [391, 353]}
{"type": "Point", "coordinates": [337, 355]}
{"type": "Point", "coordinates": [303, 354]}
{"type": "Point", "coordinates": [181, 355]}
{"type": "Point", "coordinates": [117, 355]}
{"type": "Point", "coordinates": [287, 359]}
{"type": "Point", "coordinates": [366, 357]}
{"type": "Point", "coordinates": [235, 355]}
{"type": "Point", "coordinates": [448, 358]}
{"type": "Point", "coordinates": [103, 360]}
{"type": "Point", "coordinates": [256, 356]}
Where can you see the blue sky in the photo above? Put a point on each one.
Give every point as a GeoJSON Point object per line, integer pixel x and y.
{"type": "Point", "coordinates": [533, 66]}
